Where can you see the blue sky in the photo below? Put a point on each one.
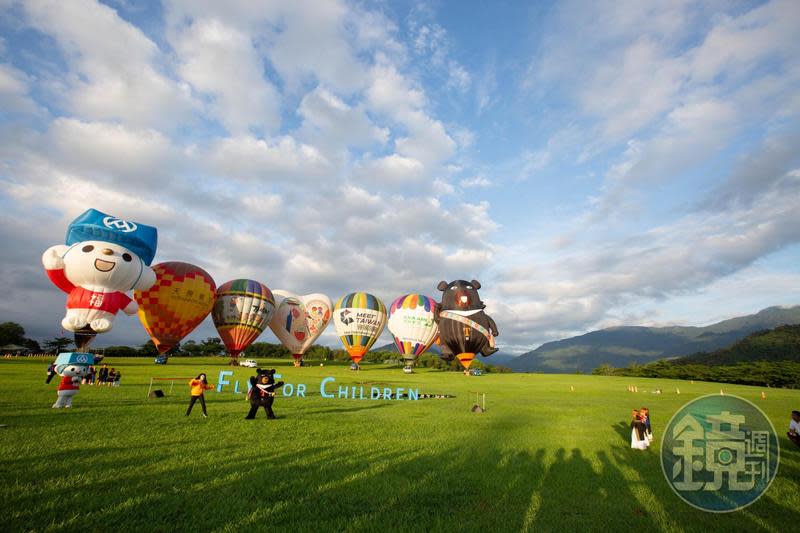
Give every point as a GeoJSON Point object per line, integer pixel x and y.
{"type": "Point", "coordinates": [591, 163]}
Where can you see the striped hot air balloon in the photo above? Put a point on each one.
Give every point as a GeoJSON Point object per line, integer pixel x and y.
{"type": "Point", "coordinates": [359, 318]}
{"type": "Point", "coordinates": [242, 311]}
{"type": "Point", "coordinates": [180, 299]}
{"type": "Point", "coordinates": [413, 326]}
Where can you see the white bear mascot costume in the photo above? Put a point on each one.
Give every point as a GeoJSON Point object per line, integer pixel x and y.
{"type": "Point", "coordinates": [71, 366]}
{"type": "Point", "coordinates": [103, 258]}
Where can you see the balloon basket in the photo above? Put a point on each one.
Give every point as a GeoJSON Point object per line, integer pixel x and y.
{"type": "Point", "coordinates": [298, 363]}
{"type": "Point", "coordinates": [408, 370]}
{"type": "Point", "coordinates": [83, 337]}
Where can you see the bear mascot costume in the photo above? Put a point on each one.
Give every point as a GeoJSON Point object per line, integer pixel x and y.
{"type": "Point", "coordinates": [464, 328]}
{"type": "Point", "coordinates": [71, 367]}
{"type": "Point", "coordinates": [103, 258]}
{"type": "Point", "coordinates": [262, 392]}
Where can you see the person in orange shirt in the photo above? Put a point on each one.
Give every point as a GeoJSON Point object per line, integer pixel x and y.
{"type": "Point", "coordinates": [199, 385]}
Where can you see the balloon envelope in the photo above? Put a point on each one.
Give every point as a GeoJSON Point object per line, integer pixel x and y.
{"type": "Point", "coordinates": [411, 321]}
{"type": "Point", "coordinates": [359, 318]}
{"type": "Point", "coordinates": [299, 320]}
{"type": "Point", "coordinates": [180, 299]}
{"type": "Point", "coordinates": [243, 309]}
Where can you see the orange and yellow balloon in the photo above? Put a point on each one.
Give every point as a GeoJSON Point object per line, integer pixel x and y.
{"type": "Point", "coordinates": [180, 299]}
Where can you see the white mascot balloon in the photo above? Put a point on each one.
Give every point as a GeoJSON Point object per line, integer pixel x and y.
{"type": "Point", "coordinates": [104, 257]}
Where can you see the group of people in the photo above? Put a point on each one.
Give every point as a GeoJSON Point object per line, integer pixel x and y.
{"type": "Point", "coordinates": [109, 377]}
{"type": "Point", "coordinates": [641, 431]}
{"type": "Point", "coordinates": [642, 434]}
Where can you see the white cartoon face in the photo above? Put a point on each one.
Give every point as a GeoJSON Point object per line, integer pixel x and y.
{"type": "Point", "coordinates": [104, 264]}
{"type": "Point", "coordinates": [73, 370]}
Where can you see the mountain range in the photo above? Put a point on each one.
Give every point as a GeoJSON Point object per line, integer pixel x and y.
{"type": "Point", "coordinates": [621, 346]}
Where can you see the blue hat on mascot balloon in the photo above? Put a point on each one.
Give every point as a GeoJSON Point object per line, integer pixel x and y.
{"type": "Point", "coordinates": [73, 358]}
{"type": "Point", "coordinates": [96, 226]}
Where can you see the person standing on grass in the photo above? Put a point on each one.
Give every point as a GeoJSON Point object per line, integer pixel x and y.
{"type": "Point", "coordinates": [794, 428]}
{"type": "Point", "coordinates": [648, 432]}
{"type": "Point", "coordinates": [112, 375]}
{"type": "Point", "coordinates": [199, 385]}
{"type": "Point", "coordinates": [51, 371]}
{"type": "Point", "coordinates": [638, 441]}
{"type": "Point", "coordinates": [117, 377]}
{"type": "Point", "coordinates": [103, 376]}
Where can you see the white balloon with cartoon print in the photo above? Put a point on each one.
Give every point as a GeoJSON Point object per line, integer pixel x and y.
{"type": "Point", "coordinates": [96, 275]}
{"type": "Point", "coordinates": [299, 320]}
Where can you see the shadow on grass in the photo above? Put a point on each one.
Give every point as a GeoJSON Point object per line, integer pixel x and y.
{"type": "Point", "coordinates": [623, 430]}
{"type": "Point", "coordinates": [476, 484]}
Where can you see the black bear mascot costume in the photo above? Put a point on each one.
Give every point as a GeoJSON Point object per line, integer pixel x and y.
{"type": "Point", "coordinates": [464, 328]}
{"type": "Point", "coordinates": [262, 392]}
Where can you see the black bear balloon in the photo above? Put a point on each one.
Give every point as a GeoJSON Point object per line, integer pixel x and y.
{"type": "Point", "coordinates": [464, 329]}
{"type": "Point", "coordinates": [262, 392]}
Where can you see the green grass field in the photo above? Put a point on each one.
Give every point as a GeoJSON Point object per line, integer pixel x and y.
{"type": "Point", "coordinates": [541, 458]}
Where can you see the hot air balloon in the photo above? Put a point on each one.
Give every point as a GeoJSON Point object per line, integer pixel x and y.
{"type": "Point", "coordinates": [243, 309]}
{"type": "Point", "coordinates": [413, 326]}
{"type": "Point", "coordinates": [464, 328]}
{"type": "Point", "coordinates": [359, 319]}
{"type": "Point", "coordinates": [103, 258]}
{"type": "Point", "coordinates": [299, 320]}
{"type": "Point", "coordinates": [181, 298]}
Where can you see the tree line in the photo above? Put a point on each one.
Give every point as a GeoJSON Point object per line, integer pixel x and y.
{"type": "Point", "coordinates": [13, 333]}
{"type": "Point", "coordinates": [784, 374]}
{"type": "Point", "coordinates": [765, 358]}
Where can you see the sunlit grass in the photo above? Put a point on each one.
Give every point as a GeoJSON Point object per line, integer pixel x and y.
{"type": "Point", "coordinates": [542, 457]}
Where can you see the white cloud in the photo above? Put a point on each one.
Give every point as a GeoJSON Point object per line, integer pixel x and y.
{"type": "Point", "coordinates": [14, 87]}
{"type": "Point", "coordinates": [581, 287]}
{"type": "Point", "coordinates": [458, 77]}
{"type": "Point", "coordinates": [630, 93]}
{"type": "Point", "coordinates": [99, 148]}
{"type": "Point", "coordinates": [114, 73]}
{"type": "Point", "coordinates": [476, 181]}
{"type": "Point", "coordinates": [280, 159]}
{"type": "Point", "coordinates": [220, 61]}
{"type": "Point", "coordinates": [394, 170]}
{"type": "Point", "coordinates": [392, 93]}
{"type": "Point", "coordinates": [427, 140]}
{"type": "Point", "coordinates": [738, 44]}
{"type": "Point", "coordinates": [329, 120]}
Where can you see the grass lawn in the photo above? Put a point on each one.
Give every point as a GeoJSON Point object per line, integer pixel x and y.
{"type": "Point", "coordinates": [541, 458]}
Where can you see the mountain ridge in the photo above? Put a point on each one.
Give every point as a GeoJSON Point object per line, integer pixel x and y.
{"type": "Point", "coordinates": [620, 346]}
